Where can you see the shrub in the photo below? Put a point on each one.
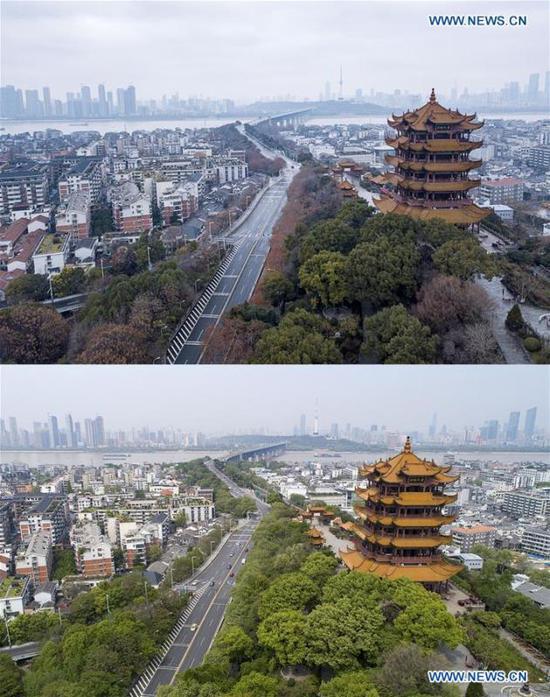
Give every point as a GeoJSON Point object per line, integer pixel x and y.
{"type": "Point", "coordinates": [532, 344]}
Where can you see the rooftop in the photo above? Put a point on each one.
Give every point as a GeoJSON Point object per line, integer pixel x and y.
{"type": "Point", "coordinates": [12, 587]}
{"type": "Point", "coordinates": [51, 244]}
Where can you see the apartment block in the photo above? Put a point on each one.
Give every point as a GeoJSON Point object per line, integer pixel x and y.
{"type": "Point", "coordinates": [504, 190]}
{"type": "Point", "coordinates": [35, 558]}
{"type": "Point", "coordinates": [73, 216]}
{"type": "Point", "coordinates": [132, 210]}
{"type": "Point", "coordinates": [536, 541]}
{"type": "Point", "coordinates": [468, 537]}
{"type": "Point", "coordinates": [48, 514]}
{"type": "Point", "coordinates": [93, 551]}
{"type": "Point", "coordinates": [526, 504]}
{"type": "Point", "coordinates": [23, 184]}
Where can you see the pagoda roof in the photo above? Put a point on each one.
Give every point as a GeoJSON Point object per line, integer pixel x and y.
{"type": "Point", "coordinates": [432, 521]}
{"type": "Point", "coordinates": [419, 166]}
{"type": "Point", "coordinates": [434, 572]}
{"type": "Point", "coordinates": [463, 215]}
{"type": "Point", "coordinates": [433, 113]}
{"type": "Point", "coordinates": [406, 498]}
{"type": "Point", "coordinates": [405, 464]}
{"type": "Point", "coordinates": [421, 185]}
{"type": "Point", "coordinates": [436, 145]}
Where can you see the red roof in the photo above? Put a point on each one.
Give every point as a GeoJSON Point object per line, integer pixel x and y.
{"type": "Point", "coordinates": [6, 277]}
{"type": "Point", "coordinates": [505, 181]}
{"type": "Point", "coordinates": [13, 232]}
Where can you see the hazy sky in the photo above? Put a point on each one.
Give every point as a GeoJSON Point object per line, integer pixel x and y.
{"type": "Point", "coordinates": [245, 50]}
{"type": "Point", "coordinates": [222, 399]}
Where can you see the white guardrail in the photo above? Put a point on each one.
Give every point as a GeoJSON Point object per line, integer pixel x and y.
{"type": "Point", "coordinates": [139, 687]}
{"type": "Point", "coordinates": [182, 333]}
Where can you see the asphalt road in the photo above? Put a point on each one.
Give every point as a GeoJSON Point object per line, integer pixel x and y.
{"type": "Point", "coordinates": [190, 647]}
{"type": "Point", "coordinates": [241, 276]}
{"type": "Point", "coordinates": [237, 284]}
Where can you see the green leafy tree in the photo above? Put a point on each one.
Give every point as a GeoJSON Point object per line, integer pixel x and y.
{"type": "Point", "coordinates": [293, 591]}
{"type": "Point", "coordinates": [63, 563]}
{"type": "Point", "coordinates": [382, 272]}
{"type": "Point", "coordinates": [276, 288]}
{"type": "Point", "coordinates": [283, 633]}
{"type": "Point", "coordinates": [405, 671]}
{"type": "Point", "coordinates": [70, 281]}
{"type": "Point", "coordinates": [341, 636]}
{"type": "Point", "coordinates": [429, 624]}
{"type": "Point", "coordinates": [297, 500]}
{"type": "Point", "coordinates": [323, 277]}
{"type": "Point", "coordinates": [394, 336]}
{"type": "Point", "coordinates": [301, 337]}
{"type": "Point", "coordinates": [234, 645]}
{"type": "Point", "coordinates": [40, 625]}
{"type": "Point", "coordinates": [463, 258]}
{"type": "Point", "coordinates": [255, 685]}
{"type": "Point", "coordinates": [351, 684]}
{"type": "Point", "coordinates": [329, 236]}
{"type": "Point", "coordinates": [475, 689]}
{"type": "Point", "coordinates": [11, 678]}
{"type": "Point", "coordinates": [514, 320]}
{"type": "Point", "coordinates": [29, 287]}
{"type": "Point", "coordinates": [180, 520]}
{"type": "Point", "coordinates": [354, 586]}
{"type": "Point", "coordinates": [31, 333]}
{"type": "Point", "coordinates": [319, 567]}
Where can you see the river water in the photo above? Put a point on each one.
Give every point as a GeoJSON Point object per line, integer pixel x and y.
{"type": "Point", "coordinates": [90, 458]}
{"type": "Point", "coordinates": [104, 125]}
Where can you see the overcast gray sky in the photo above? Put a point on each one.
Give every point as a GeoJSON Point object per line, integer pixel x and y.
{"type": "Point", "coordinates": [218, 399]}
{"type": "Point", "coordinates": [246, 50]}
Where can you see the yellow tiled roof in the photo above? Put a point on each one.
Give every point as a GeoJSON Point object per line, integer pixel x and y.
{"type": "Point", "coordinates": [426, 573]}
{"type": "Point", "coordinates": [463, 215]}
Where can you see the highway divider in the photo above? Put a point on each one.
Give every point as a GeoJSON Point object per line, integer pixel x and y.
{"type": "Point", "coordinates": [144, 679]}
{"type": "Point", "coordinates": [182, 333]}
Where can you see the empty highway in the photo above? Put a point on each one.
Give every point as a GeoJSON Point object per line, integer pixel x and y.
{"type": "Point", "coordinates": [213, 584]}
{"type": "Point", "coordinates": [239, 280]}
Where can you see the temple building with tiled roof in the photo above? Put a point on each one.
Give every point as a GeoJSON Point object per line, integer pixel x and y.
{"type": "Point", "coordinates": [432, 165]}
{"type": "Point", "coordinates": [400, 512]}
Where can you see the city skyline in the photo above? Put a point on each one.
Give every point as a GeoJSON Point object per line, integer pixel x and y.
{"type": "Point", "coordinates": [378, 396]}
{"type": "Point", "coordinates": [365, 38]}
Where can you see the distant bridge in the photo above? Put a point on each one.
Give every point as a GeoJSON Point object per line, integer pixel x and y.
{"type": "Point", "coordinates": [288, 120]}
{"type": "Point", "coordinates": [256, 454]}
{"type": "Point", "coordinates": [22, 652]}
{"type": "Point", "coordinates": [69, 303]}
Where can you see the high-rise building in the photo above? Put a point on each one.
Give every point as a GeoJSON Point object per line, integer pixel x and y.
{"type": "Point", "coordinates": [10, 106]}
{"type": "Point", "coordinates": [303, 425]}
{"type": "Point", "coordinates": [400, 518]}
{"type": "Point", "coordinates": [14, 433]}
{"type": "Point", "coordinates": [130, 101]}
{"type": "Point", "coordinates": [512, 427]}
{"type": "Point", "coordinates": [53, 430]}
{"type": "Point", "coordinates": [86, 100]}
{"type": "Point", "coordinates": [103, 107]}
{"type": "Point", "coordinates": [99, 430]}
{"type": "Point", "coordinates": [530, 422]}
{"type": "Point", "coordinates": [69, 428]}
{"type": "Point", "coordinates": [121, 101]}
{"type": "Point", "coordinates": [47, 101]}
{"type": "Point", "coordinates": [432, 163]}
{"type": "Point", "coordinates": [33, 106]}
{"type": "Point", "coordinates": [533, 88]}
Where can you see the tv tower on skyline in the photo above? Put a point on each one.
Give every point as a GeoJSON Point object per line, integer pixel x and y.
{"type": "Point", "coordinates": [341, 87]}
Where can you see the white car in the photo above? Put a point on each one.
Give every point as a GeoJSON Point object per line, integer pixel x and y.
{"type": "Point", "coordinates": [193, 627]}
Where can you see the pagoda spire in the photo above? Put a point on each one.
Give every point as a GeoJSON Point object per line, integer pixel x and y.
{"type": "Point", "coordinates": [432, 95]}
{"type": "Point", "coordinates": [407, 448]}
